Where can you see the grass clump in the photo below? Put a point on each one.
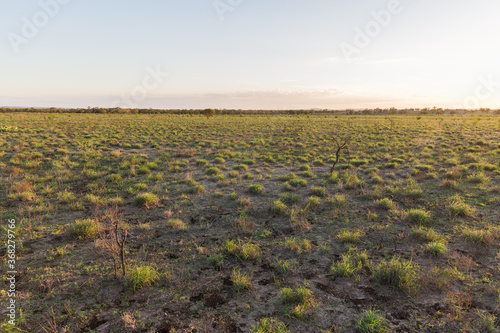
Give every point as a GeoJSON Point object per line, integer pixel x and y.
{"type": "Point", "coordinates": [318, 191]}
{"type": "Point", "coordinates": [256, 189]}
{"type": "Point", "coordinates": [147, 200]}
{"type": "Point", "coordinates": [419, 216]}
{"type": "Point", "coordinates": [385, 203]}
{"type": "Point", "coordinates": [84, 229]}
{"type": "Point", "coordinates": [241, 280]}
{"type": "Point", "coordinates": [426, 234]}
{"type": "Point", "coordinates": [286, 265]}
{"type": "Point", "coordinates": [270, 325]}
{"type": "Point", "coordinates": [436, 248]}
{"type": "Point", "coordinates": [458, 207]}
{"type": "Point", "coordinates": [114, 178]}
{"type": "Point", "coordinates": [297, 245]}
{"type": "Point", "coordinates": [279, 207]}
{"type": "Point", "coordinates": [301, 300]}
{"type": "Point", "coordinates": [372, 322]}
{"type": "Point", "coordinates": [338, 200]}
{"type": "Point", "coordinates": [177, 224]}
{"type": "Point", "coordinates": [142, 276]}
{"type": "Point", "coordinates": [347, 236]}
{"type": "Point", "coordinates": [351, 264]}
{"type": "Point", "coordinates": [482, 236]}
{"type": "Point", "coordinates": [213, 171]}
{"type": "Point", "coordinates": [217, 260]}
{"type": "Point", "coordinates": [399, 274]}
{"type": "Point", "coordinates": [243, 251]}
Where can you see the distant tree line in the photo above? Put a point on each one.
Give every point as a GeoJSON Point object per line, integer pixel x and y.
{"type": "Point", "coordinates": [211, 112]}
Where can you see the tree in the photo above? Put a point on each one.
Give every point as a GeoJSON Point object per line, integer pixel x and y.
{"type": "Point", "coordinates": [209, 113]}
{"type": "Point", "coordinates": [341, 144]}
{"type": "Point", "coordinates": [112, 239]}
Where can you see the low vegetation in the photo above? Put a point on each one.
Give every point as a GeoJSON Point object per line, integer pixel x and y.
{"type": "Point", "coordinates": [252, 223]}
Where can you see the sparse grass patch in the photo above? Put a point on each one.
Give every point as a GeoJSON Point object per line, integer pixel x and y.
{"type": "Point", "coordinates": [297, 245]}
{"type": "Point", "coordinates": [346, 236]}
{"type": "Point", "coordinates": [286, 266]}
{"type": "Point", "coordinates": [426, 234]}
{"type": "Point", "coordinates": [177, 224]}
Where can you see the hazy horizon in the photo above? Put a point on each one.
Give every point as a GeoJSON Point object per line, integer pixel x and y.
{"type": "Point", "coordinates": [238, 54]}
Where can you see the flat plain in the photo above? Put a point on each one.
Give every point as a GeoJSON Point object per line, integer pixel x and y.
{"type": "Point", "coordinates": [238, 224]}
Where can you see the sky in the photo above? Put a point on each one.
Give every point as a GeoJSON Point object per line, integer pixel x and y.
{"type": "Point", "coordinates": [250, 54]}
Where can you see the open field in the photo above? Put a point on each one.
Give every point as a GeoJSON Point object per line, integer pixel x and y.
{"type": "Point", "coordinates": [236, 224]}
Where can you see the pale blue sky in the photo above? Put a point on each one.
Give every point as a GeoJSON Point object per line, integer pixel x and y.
{"type": "Point", "coordinates": [263, 54]}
